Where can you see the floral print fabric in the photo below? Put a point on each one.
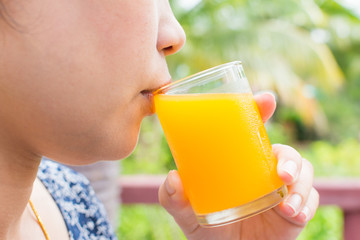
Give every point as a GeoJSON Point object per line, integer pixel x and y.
{"type": "Point", "coordinates": [83, 213]}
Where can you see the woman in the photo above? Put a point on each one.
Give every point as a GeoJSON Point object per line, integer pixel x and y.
{"type": "Point", "coordinates": [75, 82]}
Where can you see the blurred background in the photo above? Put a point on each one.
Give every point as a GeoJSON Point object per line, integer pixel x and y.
{"type": "Point", "coordinates": [307, 52]}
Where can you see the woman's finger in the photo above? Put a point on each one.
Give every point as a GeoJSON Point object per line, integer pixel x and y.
{"type": "Point", "coordinates": [289, 163]}
{"type": "Point", "coordinates": [309, 209]}
{"type": "Point", "coordinates": [299, 192]}
{"type": "Point", "coordinates": [266, 104]}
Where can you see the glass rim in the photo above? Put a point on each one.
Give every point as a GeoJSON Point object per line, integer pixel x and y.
{"type": "Point", "coordinates": [186, 80]}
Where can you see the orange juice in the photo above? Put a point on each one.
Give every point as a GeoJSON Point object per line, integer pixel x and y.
{"type": "Point", "coordinates": [221, 148]}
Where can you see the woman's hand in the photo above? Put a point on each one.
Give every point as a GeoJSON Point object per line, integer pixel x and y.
{"type": "Point", "coordinates": [283, 222]}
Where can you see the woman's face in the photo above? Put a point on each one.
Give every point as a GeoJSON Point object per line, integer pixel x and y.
{"type": "Point", "coordinates": [74, 74]}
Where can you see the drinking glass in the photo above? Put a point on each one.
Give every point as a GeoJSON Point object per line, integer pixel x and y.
{"type": "Point", "coordinates": [220, 146]}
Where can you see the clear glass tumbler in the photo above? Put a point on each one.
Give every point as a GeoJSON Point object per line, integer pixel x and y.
{"type": "Point", "coordinates": [220, 146]}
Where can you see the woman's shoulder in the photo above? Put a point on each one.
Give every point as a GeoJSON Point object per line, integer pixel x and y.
{"type": "Point", "coordinates": [84, 214]}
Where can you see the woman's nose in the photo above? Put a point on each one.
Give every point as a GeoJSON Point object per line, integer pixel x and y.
{"type": "Point", "coordinates": [171, 36]}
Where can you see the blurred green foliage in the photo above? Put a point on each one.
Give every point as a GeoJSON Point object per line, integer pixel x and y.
{"type": "Point", "coordinates": [327, 224]}
{"type": "Point", "coordinates": [340, 160]}
{"type": "Point", "coordinates": [147, 222]}
{"type": "Point", "coordinates": [306, 52]}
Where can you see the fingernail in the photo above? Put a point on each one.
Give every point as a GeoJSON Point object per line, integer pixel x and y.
{"type": "Point", "coordinates": [290, 168]}
{"type": "Point", "coordinates": [168, 184]}
{"type": "Point", "coordinates": [294, 202]}
{"type": "Point", "coordinates": [270, 94]}
{"type": "Point", "coordinates": [304, 214]}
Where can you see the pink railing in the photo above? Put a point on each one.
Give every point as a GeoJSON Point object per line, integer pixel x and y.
{"type": "Point", "coordinates": [345, 193]}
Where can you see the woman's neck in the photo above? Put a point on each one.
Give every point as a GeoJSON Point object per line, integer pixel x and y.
{"type": "Point", "coordinates": [18, 171]}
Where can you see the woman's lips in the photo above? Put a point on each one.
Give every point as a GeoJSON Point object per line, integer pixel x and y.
{"type": "Point", "coordinates": [149, 95]}
{"type": "Point", "coordinates": [152, 90]}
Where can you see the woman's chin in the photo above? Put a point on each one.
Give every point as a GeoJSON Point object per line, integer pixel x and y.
{"type": "Point", "coordinates": [113, 150]}
{"type": "Point", "coordinates": [123, 148]}
{"type": "Point", "coordinates": [109, 144]}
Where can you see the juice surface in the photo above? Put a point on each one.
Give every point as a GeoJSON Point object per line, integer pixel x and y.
{"type": "Point", "coordinates": [220, 147]}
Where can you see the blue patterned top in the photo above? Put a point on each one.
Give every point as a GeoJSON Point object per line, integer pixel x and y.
{"type": "Point", "coordinates": [83, 213]}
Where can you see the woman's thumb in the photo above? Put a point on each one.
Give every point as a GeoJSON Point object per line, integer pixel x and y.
{"type": "Point", "coordinates": [173, 199]}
